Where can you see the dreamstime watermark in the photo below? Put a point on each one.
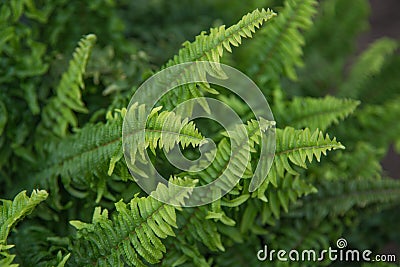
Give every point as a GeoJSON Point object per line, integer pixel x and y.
{"type": "Point", "coordinates": [189, 81]}
{"type": "Point", "coordinates": [340, 253]}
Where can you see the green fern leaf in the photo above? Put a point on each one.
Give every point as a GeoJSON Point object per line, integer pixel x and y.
{"type": "Point", "coordinates": [210, 48]}
{"type": "Point", "coordinates": [135, 232]}
{"type": "Point", "coordinates": [316, 112]}
{"type": "Point", "coordinates": [369, 64]}
{"type": "Point", "coordinates": [240, 157]}
{"type": "Point", "coordinates": [193, 230]}
{"type": "Point", "coordinates": [163, 130]}
{"type": "Point", "coordinates": [280, 43]}
{"type": "Point", "coordinates": [87, 158]}
{"type": "Point", "coordinates": [335, 198]}
{"type": "Point", "coordinates": [296, 147]}
{"type": "Point", "coordinates": [10, 213]}
{"type": "Point", "coordinates": [58, 114]}
{"type": "Point", "coordinates": [379, 120]}
{"type": "Point", "coordinates": [13, 211]}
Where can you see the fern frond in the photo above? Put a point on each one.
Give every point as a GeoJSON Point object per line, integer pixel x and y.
{"type": "Point", "coordinates": [36, 245]}
{"type": "Point", "coordinates": [290, 189]}
{"type": "Point", "coordinates": [184, 255]}
{"type": "Point", "coordinates": [10, 213]}
{"type": "Point", "coordinates": [58, 114]}
{"type": "Point", "coordinates": [336, 198]}
{"type": "Point", "coordinates": [163, 130]}
{"type": "Point", "coordinates": [316, 112]}
{"type": "Point", "coordinates": [245, 139]}
{"type": "Point", "coordinates": [84, 160]}
{"type": "Point", "coordinates": [329, 44]}
{"type": "Point", "coordinates": [6, 260]}
{"type": "Point", "coordinates": [134, 233]}
{"type": "Point", "coordinates": [13, 211]}
{"type": "Point", "coordinates": [194, 231]}
{"type": "Point", "coordinates": [279, 46]}
{"type": "Point", "coordinates": [210, 48]}
{"type": "Point", "coordinates": [296, 146]}
{"type": "Point", "coordinates": [369, 64]}
{"type": "Point", "coordinates": [379, 121]}
{"type": "Point", "coordinates": [360, 161]}
{"type": "Point", "coordinates": [198, 228]}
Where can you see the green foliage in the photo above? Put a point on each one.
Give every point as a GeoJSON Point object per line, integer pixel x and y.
{"type": "Point", "coordinates": [58, 114]}
{"type": "Point", "coordinates": [354, 194]}
{"type": "Point", "coordinates": [369, 64]}
{"type": "Point", "coordinates": [210, 48]}
{"type": "Point", "coordinates": [315, 112]}
{"type": "Point", "coordinates": [12, 212]}
{"type": "Point", "coordinates": [134, 233]}
{"type": "Point", "coordinates": [61, 130]}
{"type": "Point", "coordinates": [283, 38]}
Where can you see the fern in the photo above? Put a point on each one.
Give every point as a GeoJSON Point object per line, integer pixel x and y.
{"type": "Point", "coordinates": [58, 114]}
{"type": "Point", "coordinates": [210, 48]}
{"type": "Point", "coordinates": [83, 162]}
{"type": "Point", "coordinates": [297, 146]}
{"type": "Point", "coordinates": [336, 198]}
{"type": "Point", "coordinates": [288, 200]}
{"type": "Point", "coordinates": [42, 249]}
{"type": "Point", "coordinates": [245, 138]}
{"type": "Point", "coordinates": [193, 232]}
{"type": "Point", "coordinates": [282, 38]}
{"type": "Point", "coordinates": [316, 112]}
{"type": "Point", "coordinates": [163, 130]}
{"type": "Point", "coordinates": [10, 213]}
{"type": "Point", "coordinates": [13, 211]}
{"type": "Point", "coordinates": [90, 163]}
{"type": "Point", "coordinates": [369, 64]}
{"type": "Point", "coordinates": [378, 119]}
{"type": "Point", "coordinates": [329, 44]}
{"type": "Point", "coordinates": [133, 235]}
{"type": "Point", "coordinates": [360, 161]}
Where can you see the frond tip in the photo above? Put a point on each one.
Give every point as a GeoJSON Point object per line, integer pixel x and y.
{"type": "Point", "coordinates": [296, 147]}
{"type": "Point", "coordinates": [10, 213]}
{"type": "Point", "coordinates": [317, 112]}
{"type": "Point", "coordinates": [211, 48]}
{"type": "Point", "coordinates": [13, 211]}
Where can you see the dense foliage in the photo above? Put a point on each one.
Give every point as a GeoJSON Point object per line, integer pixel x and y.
{"type": "Point", "coordinates": [68, 70]}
